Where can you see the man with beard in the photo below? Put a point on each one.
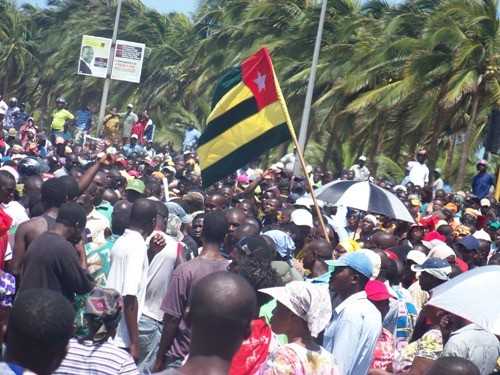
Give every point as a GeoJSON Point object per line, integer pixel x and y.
{"type": "Point", "coordinates": [53, 261]}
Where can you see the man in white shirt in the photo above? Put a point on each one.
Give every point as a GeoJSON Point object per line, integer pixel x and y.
{"type": "Point", "coordinates": [419, 173]}
{"type": "Point", "coordinates": [128, 273]}
{"type": "Point", "coordinates": [164, 254]}
{"type": "Point", "coordinates": [361, 172]}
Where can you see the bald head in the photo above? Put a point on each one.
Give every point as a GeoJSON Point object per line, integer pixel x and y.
{"type": "Point", "coordinates": [215, 201]}
{"type": "Point", "coordinates": [321, 249]}
{"type": "Point", "coordinates": [221, 302]}
{"type": "Point", "coordinates": [143, 215]}
{"type": "Point", "coordinates": [235, 217]}
{"type": "Point", "coordinates": [382, 240]}
{"type": "Point", "coordinates": [453, 366]}
{"type": "Point", "coordinates": [245, 230]}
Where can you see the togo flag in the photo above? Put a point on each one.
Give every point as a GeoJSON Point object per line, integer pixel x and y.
{"type": "Point", "coordinates": [249, 116]}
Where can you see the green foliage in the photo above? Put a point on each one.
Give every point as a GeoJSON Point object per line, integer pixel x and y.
{"type": "Point", "coordinates": [391, 77]}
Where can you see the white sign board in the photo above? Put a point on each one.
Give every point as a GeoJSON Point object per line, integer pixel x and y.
{"type": "Point", "coordinates": [94, 56]}
{"type": "Point", "coordinates": [127, 62]}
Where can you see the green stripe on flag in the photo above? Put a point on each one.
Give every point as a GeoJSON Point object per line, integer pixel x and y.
{"type": "Point", "coordinates": [228, 119]}
{"type": "Point", "coordinates": [230, 79]}
{"type": "Point", "coordinates": [245, 154]}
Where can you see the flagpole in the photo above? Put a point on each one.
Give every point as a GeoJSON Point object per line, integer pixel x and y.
{"type": "Point", "coordinates": [304, 124]}
{"type": "Point", "coordinates": [300, 157]}
{"type": "Point", "coordinates": [107, 81]}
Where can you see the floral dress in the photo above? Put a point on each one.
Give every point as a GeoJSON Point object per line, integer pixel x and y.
{"type": "Point", "coordinates": [294, 359]}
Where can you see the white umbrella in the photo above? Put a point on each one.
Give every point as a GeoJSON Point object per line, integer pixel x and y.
{"type": "Point", "coordinates": [364, 196]}
{"type": "Point", "coordinates": [473, 295]}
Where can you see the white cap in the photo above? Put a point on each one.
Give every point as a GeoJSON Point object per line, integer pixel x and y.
{"type": "Point", "coordinates": [362, 158]}
{"type": "Point", "coordinates": [485, 202]}
{"type": "Point", "coordinates": [371, 218]}
{"type": "Point", "coordinates": [302, 217]}
{"type": "Point", "coordinates": [375, 260]}
{"type": "Point", "coordinates": [12, 171]}
{"type": "Point", "coordinates": [130, 106]}
{"type": "Point", "coordinates": [482, 235]}
{"type": "Point", "coordinates": [416, 256]}
{"type": "Point", "coordinates": [134, 136]}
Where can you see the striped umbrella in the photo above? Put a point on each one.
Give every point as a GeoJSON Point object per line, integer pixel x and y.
{"type": "Point", "coordinates": [364, 196]}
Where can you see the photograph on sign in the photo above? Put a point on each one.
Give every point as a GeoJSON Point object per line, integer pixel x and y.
{"type": "Point", "coordinates": [94, 56]}
{"type": "Point", "coordinates": [127, 62]}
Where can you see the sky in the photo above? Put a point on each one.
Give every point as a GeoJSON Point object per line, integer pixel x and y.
{"type": "Point", "coordinates": [186, 6]}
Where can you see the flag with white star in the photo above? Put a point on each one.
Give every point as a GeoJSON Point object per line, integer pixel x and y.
{"type": "Point", "coordinates": [249, 116]}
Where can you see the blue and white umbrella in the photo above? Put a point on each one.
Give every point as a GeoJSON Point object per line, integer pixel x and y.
{"type": "Point", "coordinates": [364, 196]}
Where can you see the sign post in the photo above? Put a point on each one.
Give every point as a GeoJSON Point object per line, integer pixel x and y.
{"type": "Point", "coordinates": [107, 82]}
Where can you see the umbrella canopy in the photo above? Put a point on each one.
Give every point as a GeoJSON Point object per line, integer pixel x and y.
{"type": "Point", "coordinates": [364, 196]}
{"type": "Point", "coordinates": [472, 296]}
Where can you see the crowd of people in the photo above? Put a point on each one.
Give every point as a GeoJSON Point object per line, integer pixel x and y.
{"type": "Point", "coordinates": [115, 260]}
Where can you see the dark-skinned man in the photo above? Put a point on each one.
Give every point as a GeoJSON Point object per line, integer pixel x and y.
{"type": "Point", "coordinates": [176, 335]}
{"type": "Point", "coordinates": [316, 255]}
{"type": "Point", "coordinates": [356, 323]}
{"type": "Point", "coordinates": [129, 271]}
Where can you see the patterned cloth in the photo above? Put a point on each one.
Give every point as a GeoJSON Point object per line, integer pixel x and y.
{"type": "Point", "coordinates": [429, 346]}
{"type": "Point", "coordinates": [7, 289]}
{"type": "Point", "coordinates": [294, 359]}
{"type": "Point", "coordinates": [384, 351]}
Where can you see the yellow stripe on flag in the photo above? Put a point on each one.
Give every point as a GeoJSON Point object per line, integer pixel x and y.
{"type": "Point", "coordinates": [240, 134]}
{"type": "Point", "coordinates": [497, 190]}
{"type": "Point", "coordinates": [231, 99]}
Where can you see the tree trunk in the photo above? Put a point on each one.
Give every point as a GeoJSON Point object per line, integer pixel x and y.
{"type": "Point", "coordinates": [467, 142]}
{"type": "Point", "coordinates": [449, 158]}
{"type": "Point", "coordinates": [374, 146]}
{"type": "Point", "coordinates": [328, 150]}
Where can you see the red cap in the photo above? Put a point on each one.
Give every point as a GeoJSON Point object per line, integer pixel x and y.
{"type": "Point", "coordinates": [434, 236]}
{"type": "Point", "coordinates": [377, 291]}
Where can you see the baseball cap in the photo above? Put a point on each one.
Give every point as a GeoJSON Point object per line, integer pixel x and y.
{"type": "Point", "coordinates": [485, 202]}
{"type": "Point", "coordinates": [439, 268]}
{"type": "Point", "coordinates": [302, 217]}
{"type": "Point", "coordinates": [470, 243]}
{"type": "Point", "coordinates": [73, 215]}
{"type": "Point", "coordinates": [134, 136]}
{"type": "Point", "coordinates": [437, 170]}
{"type": "Point", "coordinates": [136, 185]}
{"type": "Point", "coordinates": [376, 290]}
{"type": "Point", "coordinates": [103, 302]}
{"type": "Point", "coordinates": [482, 162]}
{"type": "Point", "coordinates": [362, 158]}
{"type": "Point", "coordinates": [482, 235]}
{"type": "Point", "coordinates": [371, 218]}
{"type": "Point", "coordinates": [357, 261]}
{"type": "Point", "coordinates": [130, 106]}
{"type": "Point", "coordinates": [422, 151]}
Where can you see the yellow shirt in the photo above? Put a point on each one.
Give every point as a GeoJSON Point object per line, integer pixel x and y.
{"type": "Point", "coordinates": [59, 118]}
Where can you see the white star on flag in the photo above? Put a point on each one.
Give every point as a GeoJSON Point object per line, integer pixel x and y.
{"type": "Point", "coordinates": [260, 81]}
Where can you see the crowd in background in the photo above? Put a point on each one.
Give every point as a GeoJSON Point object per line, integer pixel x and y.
{"type": "Point", "coordinates": [115, 260]}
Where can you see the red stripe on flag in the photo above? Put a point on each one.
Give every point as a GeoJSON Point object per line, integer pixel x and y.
{"type": "Point", "coordinates": [257, 73]}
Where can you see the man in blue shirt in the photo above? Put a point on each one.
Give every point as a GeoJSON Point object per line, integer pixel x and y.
{"type": "Point", "coordinates": [482, 181]}
{"type": "Point", "coordinates": [356, 323]}
{"type": "Point", "coordinates": [133, 147]}
{"type": "Point", "coordinates": [83, 123]}
{"type": "Point", "coordinates": [191, 137]}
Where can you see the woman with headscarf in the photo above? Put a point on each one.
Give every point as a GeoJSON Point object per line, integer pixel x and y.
{"type": "Point", "coordinates": [303, 312]}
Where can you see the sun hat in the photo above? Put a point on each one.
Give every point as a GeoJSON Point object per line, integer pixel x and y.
{"type": "Point", "coordinates": [376, 290]}
{"type": "Point", "coordinates": [136, 185]}
{"type": "Point", "coordinates": [470, 243]}
{"type": "Point", "coordinates": [357, 261]}
{"type": "Point", "coordinates": [439, 268]}
{"type": "Point", "coordinates": [309, 301]}
{"type": "Point", "coordinates": [441, 251]}
{"type": "Point", "coordinates": [302, 217]}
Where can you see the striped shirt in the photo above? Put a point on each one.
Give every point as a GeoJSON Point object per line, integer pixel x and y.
{"type": "Point", "coordinates": [89, 359]}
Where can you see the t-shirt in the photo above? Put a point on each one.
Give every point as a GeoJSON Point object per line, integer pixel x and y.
{"type": "Point", "coordinates": [159, 274]}
{"type": "Point", "coordinates": [184, 278]}
{"type": "Point", "coordinates": [128, 122]}
{"type": "Point", "coordinates": [419, 173]}
{"type": "Point", "coordinates": [86, 358]}
{"type": "Point", "coordinates": [59, 118]}
{"type": "Point", "coordinates": [128, 275]}
{"type": "Point", "coordinates": [481, 184]}
{"type": "Point", "coordinates": [51, 262]}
